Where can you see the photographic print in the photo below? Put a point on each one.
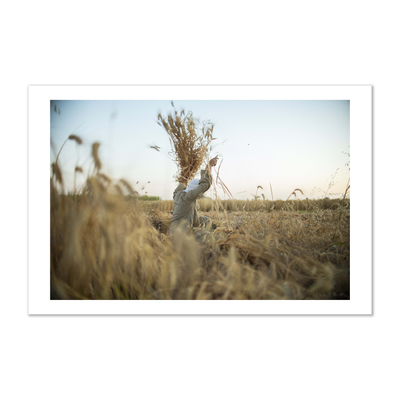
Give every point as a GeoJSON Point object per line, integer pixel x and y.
{"type": "Point", "coordinates": [237, 197]}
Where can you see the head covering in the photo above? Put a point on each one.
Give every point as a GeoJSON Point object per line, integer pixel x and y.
{"type": "Point", "coordinates": [192, 185]}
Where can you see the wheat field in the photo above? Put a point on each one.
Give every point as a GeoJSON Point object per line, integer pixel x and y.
{"type": "Point", "coordinates": [106, 244]}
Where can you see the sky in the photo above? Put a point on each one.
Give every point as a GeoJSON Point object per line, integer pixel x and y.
{"type": "Point", "coordinates": [285, 144]}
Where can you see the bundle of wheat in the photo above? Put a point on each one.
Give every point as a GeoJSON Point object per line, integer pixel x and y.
{"type": "Point", "coordinates": [190, 140]}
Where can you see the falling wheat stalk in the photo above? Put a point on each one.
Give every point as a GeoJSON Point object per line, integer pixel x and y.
{"type": "Point", "coordinates": [221, 184]}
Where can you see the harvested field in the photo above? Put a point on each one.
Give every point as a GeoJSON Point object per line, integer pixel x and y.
{"type": "Point", "coordinates": [105, 247]}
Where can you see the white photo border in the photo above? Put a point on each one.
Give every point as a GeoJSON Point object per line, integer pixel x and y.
{"type": "Point", "coordinates": [39, 97]}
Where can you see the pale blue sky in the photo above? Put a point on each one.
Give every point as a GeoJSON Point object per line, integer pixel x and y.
{"type": "Point", "coordinates": [288, 144]}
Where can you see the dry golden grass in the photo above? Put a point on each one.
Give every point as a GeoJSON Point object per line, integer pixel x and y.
{"type": "Point", "coordinates": [105, 247]}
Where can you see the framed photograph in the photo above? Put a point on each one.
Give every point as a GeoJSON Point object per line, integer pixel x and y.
{"type": "Point", "coordinates": [200, 200]}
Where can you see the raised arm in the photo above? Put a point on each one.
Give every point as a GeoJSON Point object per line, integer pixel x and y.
{"type": "Point", "coordinates": [204, 183]}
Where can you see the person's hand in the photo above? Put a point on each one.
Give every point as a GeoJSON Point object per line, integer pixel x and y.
{"type": "Point", "coordinates": [213, 162]}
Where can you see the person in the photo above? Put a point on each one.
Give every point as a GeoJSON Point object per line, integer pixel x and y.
{"type": "Point", "coordinates": [185, 213]}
